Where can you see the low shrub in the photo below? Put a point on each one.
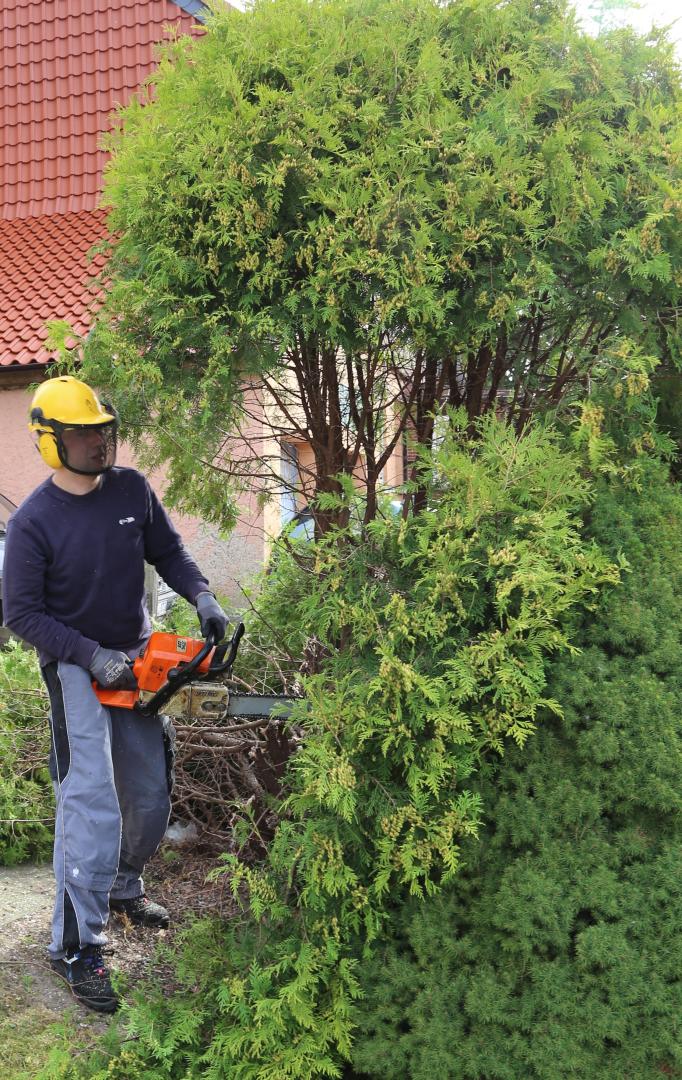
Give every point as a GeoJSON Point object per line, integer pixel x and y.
{"type": "Point", "coordinates": [26, 800]}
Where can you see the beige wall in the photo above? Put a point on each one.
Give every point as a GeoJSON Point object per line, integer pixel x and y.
{"type": "Point", "coordinates": [21, 467]}
{"type": "Point", "coordinates": [227, 563]}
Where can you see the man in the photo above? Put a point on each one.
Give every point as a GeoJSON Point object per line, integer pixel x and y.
{"type": "Point", "coordinates": [74, 588]}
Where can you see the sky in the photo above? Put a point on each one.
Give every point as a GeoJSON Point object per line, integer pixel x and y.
{"type": "Point", "coordinates": [642, 16]}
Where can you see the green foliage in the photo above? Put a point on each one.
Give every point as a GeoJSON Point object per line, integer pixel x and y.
{"type": "Point", "coordinates": [26, 800]}
{"type": "Point", "coordinates": [556, 951]}
{"type": "Point", "coordinates": [667, 388]}
{"type": "Point", "coordinates": [35, 1045]}
{"type": "Point", "coordinates": [75, 1056]}
{"type": "Point", "coordinates": [447, 620]}
{"type": "Point", "coordinates": [478, 184]}
{"type": "Point", "coordinates": [180, 619]}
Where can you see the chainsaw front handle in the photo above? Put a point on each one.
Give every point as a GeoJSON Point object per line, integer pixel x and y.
{"type": "Point", "coordinates": [181, 675]}
{"type": "Point", "coordinates": [225, 665]}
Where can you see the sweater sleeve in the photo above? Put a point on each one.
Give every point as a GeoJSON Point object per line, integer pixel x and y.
{"type": "Point", "coordinates": [23, 585]}
{"type": "Point", "coordinates": [164, 549]}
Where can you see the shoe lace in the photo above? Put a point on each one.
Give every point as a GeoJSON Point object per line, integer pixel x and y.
{"type": "Point", "coordinates": [92, 958]}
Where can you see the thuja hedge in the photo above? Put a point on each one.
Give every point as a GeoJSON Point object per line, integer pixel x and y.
{"type": "Point", "coordinates": [425, 644]}
{"type": "Point", "coordinates": [557, 952]}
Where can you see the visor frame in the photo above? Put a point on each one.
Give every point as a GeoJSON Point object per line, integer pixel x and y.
{"type": "Point", "coordinates": [57, 429]}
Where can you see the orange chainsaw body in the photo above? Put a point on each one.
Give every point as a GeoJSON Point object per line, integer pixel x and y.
{"type": "Point", "coordinates": [164, 652]}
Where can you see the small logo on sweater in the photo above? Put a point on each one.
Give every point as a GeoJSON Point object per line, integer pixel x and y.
{"type": "Point", "coordinates": [126, 521]}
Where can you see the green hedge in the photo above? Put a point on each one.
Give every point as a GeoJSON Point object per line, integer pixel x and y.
{"type": "Point", "coordinates": [26, 801]}
{"type": "Point", "coordinates": [558, 951]}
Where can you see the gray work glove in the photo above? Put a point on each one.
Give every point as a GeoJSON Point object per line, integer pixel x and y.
{"type": "Point", "coordinates": [211, 616]}
{"type": "Point", "coordinates": [112, 670]}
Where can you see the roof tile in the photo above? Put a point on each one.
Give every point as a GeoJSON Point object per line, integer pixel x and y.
{"type": "Point", "coordinates": [45, 273]}
{"type": "Point", "coordinates": [66, 65]}
{"type": "Point", "coordinates": [72, 59]}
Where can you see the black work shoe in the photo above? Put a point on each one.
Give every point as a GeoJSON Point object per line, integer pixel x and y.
{"type": "Point", "coordinates": [141, 912]}
{"type": "Point", "coordinates": [87, 978]}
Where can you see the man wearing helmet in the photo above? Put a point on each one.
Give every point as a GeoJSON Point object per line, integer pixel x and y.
{"type": "Point", "coordinates": [74, 588]}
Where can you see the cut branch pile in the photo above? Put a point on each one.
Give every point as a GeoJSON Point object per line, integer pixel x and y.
{"type": "Point", "coordinates": [229, 773]}
{"type": "Point", "coordinates": [227, 777]}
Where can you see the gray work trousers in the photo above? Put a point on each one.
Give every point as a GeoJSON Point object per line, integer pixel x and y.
{"type": "Point", "coordinates": [112, 778]}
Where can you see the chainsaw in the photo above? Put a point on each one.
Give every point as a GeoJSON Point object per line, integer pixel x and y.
{"type": "Point", "coordinates": [180, 677]}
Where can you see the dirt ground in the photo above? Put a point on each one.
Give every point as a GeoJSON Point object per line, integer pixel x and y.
{"type": "Point", "coordinates": [32, 996]}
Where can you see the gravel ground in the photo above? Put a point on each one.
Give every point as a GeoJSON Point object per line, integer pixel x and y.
{"type": "Point", "coordinates": [25, 907]}
{"type": "Point", "coordinates": [175, 879]}
{"type": "Point", "coordinates": [25, 892]}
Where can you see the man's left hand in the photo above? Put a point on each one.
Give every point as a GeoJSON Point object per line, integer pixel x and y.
{"type": "Point", "coordinates": [212, 618]}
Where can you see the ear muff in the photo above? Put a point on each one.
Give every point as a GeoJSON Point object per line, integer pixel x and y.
{"type": "Point", "coordinates": [47, 448]}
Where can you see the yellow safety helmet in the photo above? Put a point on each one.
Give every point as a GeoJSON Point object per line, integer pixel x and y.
{"type": "Point", "coordinates": [64, 404]}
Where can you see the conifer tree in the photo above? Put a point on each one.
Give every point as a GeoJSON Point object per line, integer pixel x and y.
{"type": "Point", "coordinates": [362, 210]}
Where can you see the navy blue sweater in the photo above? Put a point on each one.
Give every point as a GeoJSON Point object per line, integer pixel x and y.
{"type": "Point", "coordinates": [74, 566]}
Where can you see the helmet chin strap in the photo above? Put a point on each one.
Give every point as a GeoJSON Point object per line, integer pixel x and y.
{"type": "Point", "coordinates": [88, 472]}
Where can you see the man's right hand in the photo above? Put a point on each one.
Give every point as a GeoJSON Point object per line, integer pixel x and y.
{"type": "Point", "coordinates": [112, 670]}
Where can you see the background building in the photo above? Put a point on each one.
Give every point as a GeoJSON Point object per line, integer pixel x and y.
{"type": "Point", "coordinates": [66, 66]}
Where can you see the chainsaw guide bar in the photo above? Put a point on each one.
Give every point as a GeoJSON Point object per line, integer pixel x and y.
{"type": "Point", "coordinates": [202, 701]}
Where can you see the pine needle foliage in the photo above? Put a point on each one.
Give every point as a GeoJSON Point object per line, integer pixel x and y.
{"type": "Point", "coordinates": [557, 951]}
{"type": "Point", "coordinates": [447, 621]}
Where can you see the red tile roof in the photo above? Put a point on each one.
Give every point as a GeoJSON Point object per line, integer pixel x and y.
{"type": "Point", "coordinates": [44, 274]}
{"type": "Point", "coordinates": [66, 64]}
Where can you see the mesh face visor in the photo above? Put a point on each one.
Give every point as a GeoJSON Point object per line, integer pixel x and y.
{"type": "Point", "coordinates": [86, 449]}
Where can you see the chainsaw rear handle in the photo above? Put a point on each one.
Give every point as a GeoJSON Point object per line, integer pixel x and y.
{"type": "Point", "coordinates": [181, 675]}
